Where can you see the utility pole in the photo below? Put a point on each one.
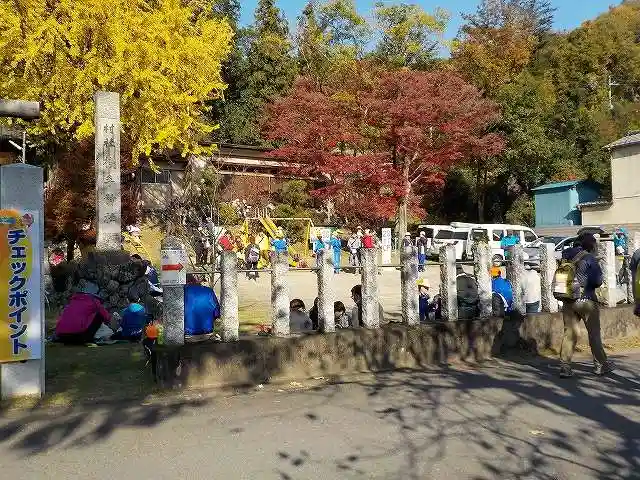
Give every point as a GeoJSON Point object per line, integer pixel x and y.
{"type": "Point", "coordinates": [611, 85]}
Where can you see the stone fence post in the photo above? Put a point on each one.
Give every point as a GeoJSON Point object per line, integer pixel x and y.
{"type": "Point", "coordinates": [548, 266]}
{"type": "Point", "coordinates": [172, 250]}
{"type": "Point", "coordinates": [515, 275]}
{"type": "Point", "coordinates": [448, 286]}
{"type": "Point", "coordinates": [409, 288]}
{"type": "Point", "coordinates": [370, 313]}
{"type": "Point", "coordinates": [606, 254]}
{"type": "Point", "coordinates": [280, 294]}
{"type": "Point", "coordinates": [229, 296]}
{"type": "Point", "coordinates": [482, 271]}
{"type": "Point", "coordinates": [326, 293]}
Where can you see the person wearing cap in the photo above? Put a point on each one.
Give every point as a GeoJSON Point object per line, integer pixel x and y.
{"type": "Point", "coordinates": [502, 289]}
{"type": "Point", "coordinates": [406, 241]}
{"type": "Point", "coordinates": [532, 289]}
{"type": "Point", "coordinates": [336, 247]}
{"type": "Point", "coordinates": [424, 299]}
{"type": "Point", "coordinates": [421, 244]}
{"type": "Point", "coordinates": [586, 308]}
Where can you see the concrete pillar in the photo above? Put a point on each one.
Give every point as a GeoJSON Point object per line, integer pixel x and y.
{"type": "Point", "coordinates": [606, 255]}
{"type": "Point", "coordinates": [370, 302]}
{"type": "Point", "coordinates": [229, 297]}
{"type": "Point", "coordinates": [482, 271]}
{"type": "Point", "coordinates": [409, 288]}
{"type": "Point", "coordinates": [448, 287]}
{"type": "Point", "coordinates": [21, 189]}
{"type": "Point", "coordinates": [107, 171]}
{"type": "Point", "coordinates": [326, 293]}
{"type": "Point", "coordinates": [172, 295]}
{"type": "Point", "coordinates": [548, 266]}
{"type": "Point", "coordinates": [515, 275]}
{"type": "Point", "coordinates": [280, 294]}
{"type": "Point", "coordinates": [628, 277]}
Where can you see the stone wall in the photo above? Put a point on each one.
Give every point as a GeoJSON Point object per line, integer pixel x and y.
{"type": "Point", "coordinates": [115, 278]}
{"type": "Point", "coordinates": [255, 360]}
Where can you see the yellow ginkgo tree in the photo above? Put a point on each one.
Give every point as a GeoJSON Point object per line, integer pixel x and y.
{"type": "Point", "coordinates": [163, 56]}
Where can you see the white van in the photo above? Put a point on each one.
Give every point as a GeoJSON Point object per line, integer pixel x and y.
{"type": "Point", "coordinates": [451, 236]}
{"type": "Point", "coordinates": [430, 232]}
{"type": "Point", "coordinates": [495, 232]}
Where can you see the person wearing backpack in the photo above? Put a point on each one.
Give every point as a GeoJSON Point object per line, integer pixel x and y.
{"type": "Point", "coordinates": [468, 296]}
{"type": "Point", "coordinates": [252, 257]}
{"type": "Point", "coordinates": [575, 283]}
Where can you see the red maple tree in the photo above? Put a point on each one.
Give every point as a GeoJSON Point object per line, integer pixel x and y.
{"type": "Point", "coordinates": [380, 138]}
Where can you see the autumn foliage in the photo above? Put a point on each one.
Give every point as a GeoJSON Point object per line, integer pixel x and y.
{"type": "Point", "coordinates": [378, 138]}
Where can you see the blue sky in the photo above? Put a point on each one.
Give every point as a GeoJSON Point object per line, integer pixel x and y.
{"type": "Point", "coordinates": [569, 13]}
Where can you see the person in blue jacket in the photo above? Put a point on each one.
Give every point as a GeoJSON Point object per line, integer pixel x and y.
{"type": "Point", "coordinates": [201, 310]}
{"type": "Point", "coordinates": [424, 300]}
{"type": "Point", "coordinates": [502, 287]}
{"type": "Point", "coordinates": [336, 245]}
{"type": "Point", "coordinates": [318, 245]}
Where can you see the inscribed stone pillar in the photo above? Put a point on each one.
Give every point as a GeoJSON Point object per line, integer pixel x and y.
{"type": "Point", "coordinates": [107, 169]}
{"type": "Point", "coordinates": [370, 302]}
{"type": "Point", "coordinates": [326, 293]}
{"type": "Point", "coordinates": [515, 275]}
{"type": "Point", "coordinates": [548, 266]}
{"type": "Point", "coordinates": [280, 294]}
{"type": "Point", "coordinates": [409, 289]}
{"type": "Point", "coordinates": [21, 188]}
{"type": "Point", "coordinates": [628, 278]}
{"type": "Point", "coordinates": [173, 302]}
{"type": "Point", "coordinates": [229, 297]}
{"type": "Point", "coordinates": [448, 287]}
{"type": "Point", "coordinates": [482, 271]}
{"type": "Point", "coordinates": [606, 255]}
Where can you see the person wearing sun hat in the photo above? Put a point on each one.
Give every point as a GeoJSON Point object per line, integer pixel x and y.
{"type": "Point", "coordinates": [424, 299]}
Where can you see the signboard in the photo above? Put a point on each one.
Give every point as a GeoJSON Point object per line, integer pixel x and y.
{"type": "Point", "coordinates": [386, 246]}
{"type": "Point", "coordinates": [174, 267]}
{"type": "Point", "coordinates": [323, 232]}
{"type": "Point", "coordinates": [20, 286]}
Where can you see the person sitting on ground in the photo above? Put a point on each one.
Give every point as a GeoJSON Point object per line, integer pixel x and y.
{"type": "Point", "coordinates": [201, 310]}
{"type": "Point", "coordinates": [424, 299]}
{"type": "Point", "coordinates": [313, 315]}
{"type": "Point", "coordinates": [341, 316]}
{"type": "Point", "coordinates": [502, 288]}
{"type": "Point", "coordinates": [532, 288]}
{"type": "Point", "coordinates": [81, 319]}
{"type": "Point", "coordinates": [299, 321]}
{"type": "Point", "coordinates": [134, 319]}
{"type": "Point", "coordinates": [356, 312]}
{"type": "Point", "coordinates": [467, 294]}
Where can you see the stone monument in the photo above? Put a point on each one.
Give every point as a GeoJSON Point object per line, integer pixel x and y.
{"type": "Point", "coordinates": [107, 168]}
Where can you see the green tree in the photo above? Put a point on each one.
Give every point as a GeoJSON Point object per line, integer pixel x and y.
{"type": "Point", "coordinates": [533, 16]}
{"type": "Point", "coordinates": [409, 36]}
{"type": "Point", "coordinates": [267, 72]}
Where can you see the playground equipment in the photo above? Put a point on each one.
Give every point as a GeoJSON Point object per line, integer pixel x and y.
{"type": "Point", "coordinates": [136, 244]}
{"type": "Point", "coordinates": [270, 232]}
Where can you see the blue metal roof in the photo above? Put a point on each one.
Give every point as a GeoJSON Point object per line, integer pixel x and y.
{"type": "Point", "coordinates": [568, 183]}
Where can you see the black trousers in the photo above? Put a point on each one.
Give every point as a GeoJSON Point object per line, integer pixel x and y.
{"type": "Point", "coordinates": [83, 337]}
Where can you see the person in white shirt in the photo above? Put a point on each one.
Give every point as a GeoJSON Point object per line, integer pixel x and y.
{"type": "Point", "coordinates": [532, 288]}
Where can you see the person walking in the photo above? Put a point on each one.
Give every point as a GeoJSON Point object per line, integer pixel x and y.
{"type": "Point", "coordinates": [421, 244]}
{"type": "Point", "coordinates": [252, 257]}
{"type": "Point", "coordinates": [354, 244]}
{"type": "Point", "coordinates": [336, 246]}
{"type": "Point", "coordinates": [588, 275]}
{"type": "Point", "coordinates": [318, 246]}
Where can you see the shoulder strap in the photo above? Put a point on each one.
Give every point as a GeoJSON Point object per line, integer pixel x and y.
{"type": "Point", "coordinates": [580, 256]}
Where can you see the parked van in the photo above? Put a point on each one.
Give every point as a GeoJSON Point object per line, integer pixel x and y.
{"type": "Point", "coordinates": [495, 233]}
{"type": "Point", "coordinates": [451, 236]}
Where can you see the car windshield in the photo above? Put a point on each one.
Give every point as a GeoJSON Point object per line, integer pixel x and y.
{"type": "Point", "coordinates": [462, 235]}
{"type": "Point", "coordinates": [444, 235]}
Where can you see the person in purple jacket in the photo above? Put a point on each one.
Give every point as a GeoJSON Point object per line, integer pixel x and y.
{"type": "Point", "coordinates": [585, 308]}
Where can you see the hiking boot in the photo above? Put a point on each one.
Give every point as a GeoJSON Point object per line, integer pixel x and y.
{"type": "Point", "coordinates": [566, 372]}
{"type": "Point", "coordinates": [604, 368]}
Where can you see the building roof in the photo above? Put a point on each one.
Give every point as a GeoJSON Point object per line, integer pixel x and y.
{"type": "Point", "coordinates": [602, 202]}
{"type": "Point", "coordinates": [568, 183]}
{"type": "Point", "coordinates": [633, 138]}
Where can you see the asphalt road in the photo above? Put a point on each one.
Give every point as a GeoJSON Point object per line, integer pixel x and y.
{"type": "Point", "coordinates": [504, 420]}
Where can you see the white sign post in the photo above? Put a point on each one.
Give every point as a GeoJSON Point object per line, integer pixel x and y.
{"type": "Point", "coordinates": [386, 246]}
{"type": "Point", "coordinates": [174, 267]}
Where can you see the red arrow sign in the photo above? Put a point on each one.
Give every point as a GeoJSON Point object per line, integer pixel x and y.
{"type": "Point", "coordinates": [172, 268]}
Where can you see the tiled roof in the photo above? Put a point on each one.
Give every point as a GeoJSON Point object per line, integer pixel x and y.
{"type": "Point", "coordinates": [627, 141]}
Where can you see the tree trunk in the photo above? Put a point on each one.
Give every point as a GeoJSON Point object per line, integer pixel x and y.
{"type": "Point", "coordinates": [71, 247]}
{"type": "Point", "coordinates": [402, 216]}
{"type": "Point", "coordinates": [480, 192]}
